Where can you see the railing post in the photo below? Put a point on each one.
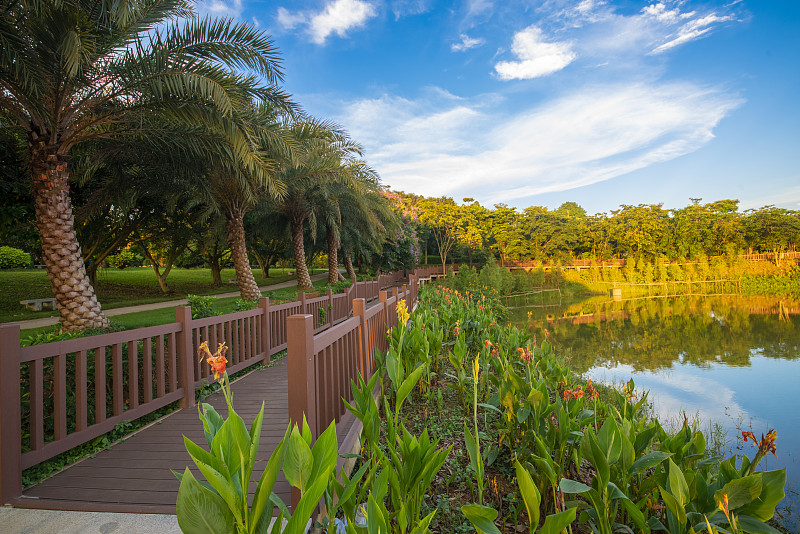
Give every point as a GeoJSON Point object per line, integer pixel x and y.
{"type": "Point", "coordinates": [10, 419]}
{"type": "Point", "coordinates": [330, 308]}
{"type": "Point", "coordinates": [359, 310]}
{"type": "Point", "coordinates": [303, 303]}
{"type": "Point", "coordinates": [266, 335]}
{"type": "Point", "coordinates": [383, 297]}
{"type": "Point", "coordinates": [185, 358]}
{"type": "Point", "coordinates": [302, 382]}
{"type": "Point", "coordinates": [395, 293]}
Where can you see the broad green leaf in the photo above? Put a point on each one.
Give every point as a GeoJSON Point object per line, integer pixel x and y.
{"type": "Point", "coordinates": [573, 486]}
{"type": "Point", "coordinates": [772, 492]}
{"type": "Point", "coordinates": [267, 481]}
{"type": "Point", "coordinates": [600, 462]}
{"type": "Point", "coordinates": [741, 491]}
{"type": "Point", "coordinates": [475, 461]}
{"type": "Point", "coordinates": [200, 510]}
{"type": "Point", "coordinates": [530, 495]}
{"type": "Point", "coordinates": [676, 483]}
{"type": "Point", "coordinates": [673, 506]}
{"type": "Point", "coordinates": [636, 515]}
{"type": "Point", "coordinates": [255, 440]}
{"type": "Point", "coordinates": [298, 461]}
{"type": "Point", "coordinates": [481, 517]}
{"type": "Point", "coordinates": [232, 444]}
{"type": "Point", "coordinates": [408, 385]}
{"type": "Point", "coordinates": [325, 451]}
{"type": "Point", "coordinates": [308, 501]}
{"type": "Point", "coordinates": [422, 526]}
{"type": "Point", "coordinates": [648, 461]}
{"type": "Point", "coordinates": [754, 526]}
{"type": "Point", "coordinates": [555, 523]}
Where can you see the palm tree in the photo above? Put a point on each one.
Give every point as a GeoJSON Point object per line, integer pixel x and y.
{"type": "Point", "coordinates": [366, 221]}
{"type": "Point", "coordinates": [353, 207]}
{"type": "Point", "coordinates": [77, 70]}
{"type": "Point", "coordinates": [234, 191]}
{"type": "Point", "coordinates": [323, 149]}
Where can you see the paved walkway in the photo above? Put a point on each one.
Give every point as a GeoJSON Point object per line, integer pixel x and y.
{"type": "Point", "coordinates": [49, 321]}
{"type": "Point", "coordinates": [23, 521]}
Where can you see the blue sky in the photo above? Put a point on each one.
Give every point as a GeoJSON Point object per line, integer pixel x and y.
{"type": "Point", "coordinates": [542, 102]}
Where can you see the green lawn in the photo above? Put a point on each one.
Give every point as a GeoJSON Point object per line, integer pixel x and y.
{"type": "Point", "coordinates": [167, 315]}
{"type": "Point", "coordinates": [119, 287]}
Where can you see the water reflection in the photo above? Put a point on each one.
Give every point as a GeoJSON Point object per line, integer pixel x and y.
{"type": "Point", "coordinates": [656, 333]}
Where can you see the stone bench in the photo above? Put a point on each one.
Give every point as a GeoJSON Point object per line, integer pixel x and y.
{"type": "Point", "coordinates": [38, 304]}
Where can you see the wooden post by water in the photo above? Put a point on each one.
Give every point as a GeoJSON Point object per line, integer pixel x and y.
{"type": "Point", "coordinates": [266, 334]}
{"type": "Point", "coordinates": [185, 356]}
{"type": "Point", "coordinates": [10, 423]}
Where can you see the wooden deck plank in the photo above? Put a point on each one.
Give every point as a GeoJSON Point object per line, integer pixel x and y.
{"type": "Point", "coordinates": [134, 475]}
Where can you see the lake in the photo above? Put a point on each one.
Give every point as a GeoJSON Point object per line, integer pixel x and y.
{"type": "Point", "coordinates": [727, 361]}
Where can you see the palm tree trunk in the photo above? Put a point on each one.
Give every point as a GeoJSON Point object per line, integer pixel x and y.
{"type": "Point", "coordinates": [348, 264]}
{"type": "Point", "coordinates": [299, 252]}
{"type": "Point", "coordinates": [61, 253]}
{"type": "Point", "coordinates": [234, 233]}
{"type": "Point", "coordinates": [333, 259]}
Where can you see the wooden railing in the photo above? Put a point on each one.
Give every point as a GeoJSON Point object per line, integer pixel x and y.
{"type": "Point", "coordinates": [56, 396]}
{"type": "Point", "coordinates": [321, 366]}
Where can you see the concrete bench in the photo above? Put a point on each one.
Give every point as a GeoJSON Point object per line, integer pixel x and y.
{"type": "Point", "coordinates": [38, 304]}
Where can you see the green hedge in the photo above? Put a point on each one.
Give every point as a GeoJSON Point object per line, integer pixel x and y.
{"type": "Point", "coordinates": [14, 258]}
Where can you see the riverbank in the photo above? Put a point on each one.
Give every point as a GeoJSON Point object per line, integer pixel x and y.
{"type": "Point", "coordinates": [529, 407]}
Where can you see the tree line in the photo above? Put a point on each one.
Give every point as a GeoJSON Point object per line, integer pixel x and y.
{"type": "Point", "coordinates": [139, 126]}
{"type": "Point", "coordinates": [470, 231]}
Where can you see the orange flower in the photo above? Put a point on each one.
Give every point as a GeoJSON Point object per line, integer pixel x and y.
{"type": "Point", "coordinates": [488, 344]}
{"type": "Point", "coordinates": [578, 393]}
{"type": "Point", "coordinates": [217, 360]}
{"type": "Point", "coordinates": [567, 394]}
{"type": "Point", "coordinates": [217, 365]}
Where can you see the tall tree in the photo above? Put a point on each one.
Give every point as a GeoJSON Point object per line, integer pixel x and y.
{"type": "Point", "coordinates": [76, 70]}
{"type": "Point", "coordinates": [322, 149]}
{"type": "Point", "coordinates": [442, 216]}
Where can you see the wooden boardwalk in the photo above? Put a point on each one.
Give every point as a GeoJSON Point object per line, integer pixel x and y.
{"type": "Point", "coordinates": [134, 475]}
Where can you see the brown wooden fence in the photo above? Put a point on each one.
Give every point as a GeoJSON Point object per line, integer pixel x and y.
{"type": "Point", "coordinates": [56, 396]}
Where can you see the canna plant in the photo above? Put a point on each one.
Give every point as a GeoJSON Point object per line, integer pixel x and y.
{"type": "Point", "coordinates": [473, 441]}
{"type": "Point", "coordinates": [222, 503]}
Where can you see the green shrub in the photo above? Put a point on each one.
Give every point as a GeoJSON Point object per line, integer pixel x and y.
{"type": "Point", "coordinates": [243, 305]}
{"type": "Point", "coordinates": [125, 258]}
{"type": "Point", "coordinates": [340, 287]}
{"type": "Point", "coordinates": [14, 258]}
{"type": "Point", "coordinates": [202, 306]}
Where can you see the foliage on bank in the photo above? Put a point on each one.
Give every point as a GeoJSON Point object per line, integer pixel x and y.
{"type": "Point", "coordinates": [515, 417]}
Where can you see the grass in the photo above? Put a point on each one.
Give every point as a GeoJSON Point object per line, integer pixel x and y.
{"type": "Point", "coordinates": [130, 321]}
{"type": "Point", "coordinates": [117, 288]}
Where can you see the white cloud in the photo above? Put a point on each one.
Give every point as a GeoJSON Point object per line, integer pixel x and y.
{"type": "Point", "coordinates": [404, 8]}
{"type": "Point", "coordinates": [444, 146]}
{"type": "Point", "coordinates": [222, 8]}
{"type": "Point", "coordinates": [477, 7]}
{"type": "Point", "coordinates": [536, 56]}
{"type": "Point", "coordinates": [694, 29]}
{"type": "Point", "coordinates": [289, 20]}
{"type": "Point", "coordinates": [466, 43]}
{"type": "Point", "coordinates": [338, 16]}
